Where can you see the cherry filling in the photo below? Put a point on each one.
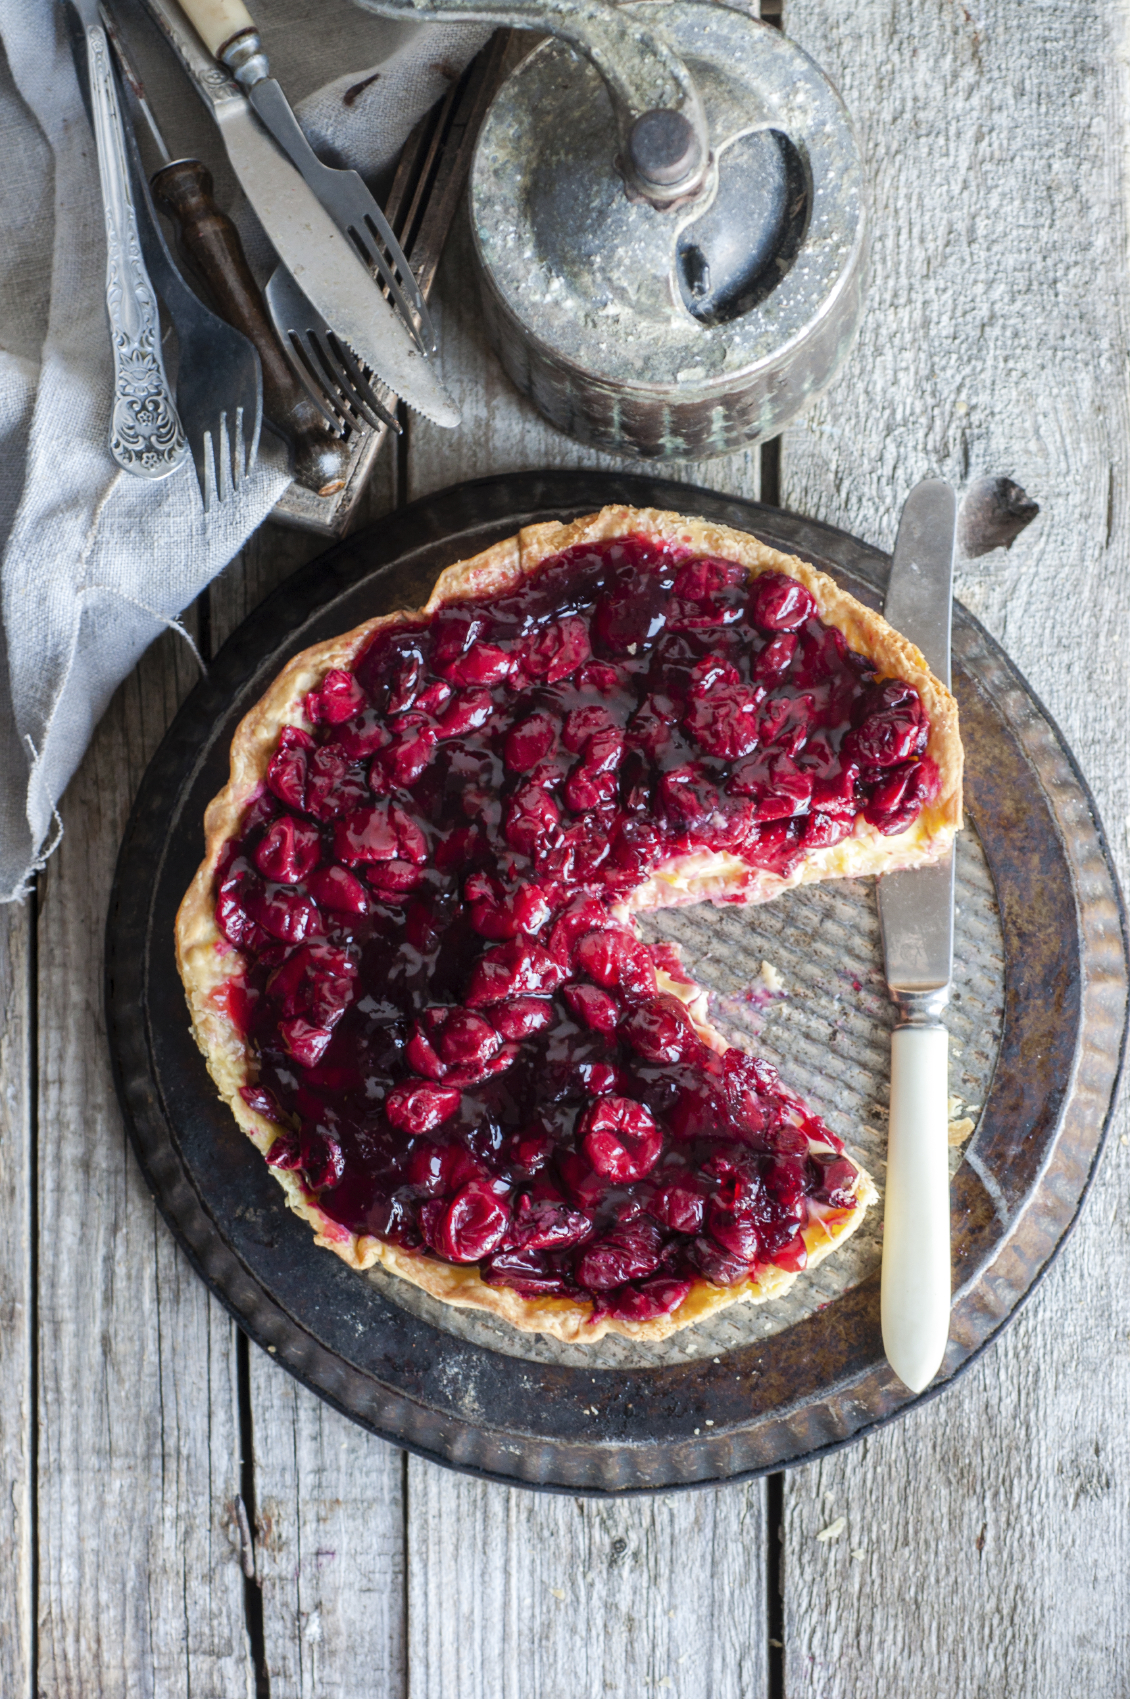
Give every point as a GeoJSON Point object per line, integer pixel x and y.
{"type": "Point", "coordinates": [464, 1051]}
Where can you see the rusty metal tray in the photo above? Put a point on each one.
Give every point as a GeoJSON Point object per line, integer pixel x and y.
{"type": "Point", "coordinates": [1038, 1024]}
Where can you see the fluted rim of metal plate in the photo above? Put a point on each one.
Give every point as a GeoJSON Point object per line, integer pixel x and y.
{"type": "Point", "coordinates": [402, 1400]}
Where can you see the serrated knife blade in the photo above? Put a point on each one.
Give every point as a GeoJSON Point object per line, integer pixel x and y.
{"type": "Point", "coordinates": [322, 261]}
{"type": "Point", "coordinates": [916, 917]}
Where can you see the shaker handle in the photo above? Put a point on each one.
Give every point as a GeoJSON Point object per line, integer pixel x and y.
{"type": "Point", "coordinates": [664, 138]}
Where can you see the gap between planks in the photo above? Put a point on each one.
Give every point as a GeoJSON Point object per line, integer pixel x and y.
{"type": "Point", "coordinates": [19, 1408]}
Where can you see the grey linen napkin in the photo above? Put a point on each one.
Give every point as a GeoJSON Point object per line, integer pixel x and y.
{"type": "Point", "coordinates": [95, 563]}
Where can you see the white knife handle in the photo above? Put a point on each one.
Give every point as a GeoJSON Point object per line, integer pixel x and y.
{"type": "Point", "coordinates": [217, 21]}
{"type": "Point", "coordinates": [916, 1228]}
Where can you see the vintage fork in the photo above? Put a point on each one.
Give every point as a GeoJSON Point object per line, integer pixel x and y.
{"type": "Point", "coordinates": [145, 433]}
{"type": "Point", "coordinates": [219, 381]}
{"type": "Point", "coordinates": [324, 365]}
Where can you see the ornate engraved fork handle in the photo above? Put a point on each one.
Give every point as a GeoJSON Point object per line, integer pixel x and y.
{"type": "Point", "coordinates": [145, 433]}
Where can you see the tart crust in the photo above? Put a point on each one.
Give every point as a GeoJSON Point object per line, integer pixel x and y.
{"type": "Point", "coordinates": [212, 969]}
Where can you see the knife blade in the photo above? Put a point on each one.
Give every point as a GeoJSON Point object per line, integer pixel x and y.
{"type": "Point", "coordinates": [349, 204]}
{"type": "Point", "coordinates": [916, 917]}
{"type": "Point", "coordinates": [229, 31]}
{"type": "Point", "coordinates": [322, 261]}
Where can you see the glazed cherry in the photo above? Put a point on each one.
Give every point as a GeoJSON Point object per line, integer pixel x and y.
{"type": "Point", "coordinates": [418, 1108]}
{"type": "Point", "coordinates": [779, 603]}
{"type": "Point", "coordinates": [338, 698]}
{"type": "Point", "coordinates": [660, 1030]}
{"type": "Point", "coordinates": [472, 1225]}
{"type": "Point", "coordinates": [335, 888]}
{"type": "Point", "coordinates": [289, 850]}
{"type": "Point", "coordinates": [464, 1047]}
{"type": "Point", "coordinates": [626, 1253]}
{"type": "Point", "coordinates": [643, 1300]}
{"type": "Point", "coordinates": [620, 1138]}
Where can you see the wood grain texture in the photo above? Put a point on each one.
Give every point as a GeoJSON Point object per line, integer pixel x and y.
{"type": "Point", "coordinates": [512, 1594]}
{"type": "Point", "coordinates": [509, 1593]}
{"type": "Point", "coordinates": [329, 1530]}
{"type": "Point", "coordinates": [330, 1545]}
{"type": "Point", "coordinates": [986, 1541]}
{"type": "Point", "coordinates": [17, 1306]}
{"type": "Point", "coordinates": [140, 1589]}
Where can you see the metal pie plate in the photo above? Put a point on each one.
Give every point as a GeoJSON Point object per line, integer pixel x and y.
{"type": "Point", "coordinates": [1037, 1023]}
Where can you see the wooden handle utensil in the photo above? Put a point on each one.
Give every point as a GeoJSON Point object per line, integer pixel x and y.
{"type": "Point", "coordinates": [210, 243]}
{"type": "Point", "coordinates": [218, 21]}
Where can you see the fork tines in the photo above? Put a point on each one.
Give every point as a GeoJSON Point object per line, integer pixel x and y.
{"type": "Point", "coordinates": [220, 474]}
{"type": "Point", "coordinates": [337, 383]}
{"type": "Point", "coordinates": [382, 253]}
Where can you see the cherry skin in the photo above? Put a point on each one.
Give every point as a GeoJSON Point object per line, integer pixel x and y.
{"type": "Point", "coordinates": [462, 1045]}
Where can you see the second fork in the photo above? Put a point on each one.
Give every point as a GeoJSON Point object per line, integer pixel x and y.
{"type": "Point", "coordinates": [219, 382]}
{"type": "Point", "coordinates": [325, 366]}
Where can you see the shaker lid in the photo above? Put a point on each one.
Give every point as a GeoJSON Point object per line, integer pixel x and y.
{"type": "Point", "coordinates": [706, 289]}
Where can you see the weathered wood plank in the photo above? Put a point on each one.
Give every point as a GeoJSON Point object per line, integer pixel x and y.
{"type": "Point", "coordinates": [512, 1594]}
{"type": "Point", "coordinates": [329, 1509]}
{"type": "Point", "coordinates": [986, 1539]}
{"type": "Point", "coordinates": [329, 1499]}
{"type": "Point", "coordinates": [275, 551]}
{"type": "Point", "coordinates": [17, 1307]}
{"type": "Point", "coordinates": [140, 1589]}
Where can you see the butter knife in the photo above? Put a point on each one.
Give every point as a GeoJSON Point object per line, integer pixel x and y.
{"type": "Point", "coordinates": [322, 261]}
{"type": "Point", "coordinates": [229, 31]}
{"type": "Point", "coordinates": [916, 915]}
{"type": "Point", "coordinates": [146, 438]}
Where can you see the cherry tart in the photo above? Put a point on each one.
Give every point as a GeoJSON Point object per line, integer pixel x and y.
{"type": "Point", "coordinates": [410, 953]}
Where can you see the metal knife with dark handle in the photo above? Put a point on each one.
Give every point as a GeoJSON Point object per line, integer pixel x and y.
{"type": "Point", "coordinates": [212, 246]}
{"type": "Point", "coordinates": [212, 251]}
{"type": "Point", "coordinates": [916, 914]}
{"type": "Point", "coordinates": [322, 261]}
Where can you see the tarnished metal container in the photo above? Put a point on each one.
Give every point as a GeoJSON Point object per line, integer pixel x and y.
{"type": "Point", "coordinates": [669, 217]}
{"type": "Point", "coordinates": [584, 291]}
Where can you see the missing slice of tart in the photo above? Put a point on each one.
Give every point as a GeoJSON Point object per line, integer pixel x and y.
{"type": "Point", "coordinates": [410, 956]}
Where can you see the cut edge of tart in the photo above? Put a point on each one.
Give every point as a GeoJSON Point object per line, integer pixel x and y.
{"type": "Point", "coordinates": [212, 969]}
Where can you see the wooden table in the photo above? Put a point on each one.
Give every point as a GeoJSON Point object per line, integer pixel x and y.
{"type": "Point", "coordinates": [180, 1519]}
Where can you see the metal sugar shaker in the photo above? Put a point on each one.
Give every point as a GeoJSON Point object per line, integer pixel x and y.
{"type": "Point", "coordinates": [669, 218]}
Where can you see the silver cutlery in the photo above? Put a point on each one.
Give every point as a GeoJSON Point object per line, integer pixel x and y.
{"type": "Point", "coordinates": [322, 261]}
{"type": "Point", "coordinates": [916, 914]}
{"type": "Point", "coordinates": [219, 384]}
{"type": "Point", "coordinates": [322, 363]}
{"type": "Point", "coordinates": [342, 193]}
{"type": "Point", "coordinates": [145, 437]}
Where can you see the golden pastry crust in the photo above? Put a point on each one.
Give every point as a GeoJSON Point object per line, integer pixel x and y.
{"type": "Point", "coordinates": [212, 970]}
